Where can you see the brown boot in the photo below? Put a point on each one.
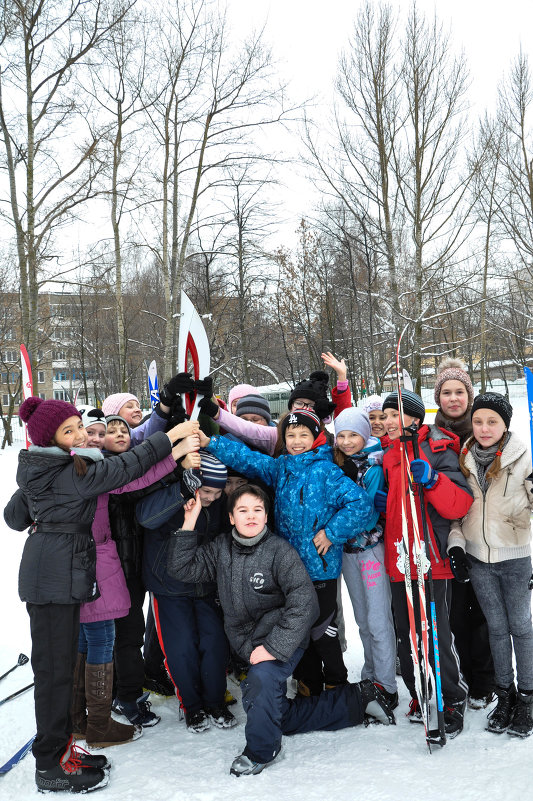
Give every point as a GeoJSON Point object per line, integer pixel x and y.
{"type": "Point", "coordinates": [78, 708]}
{"type": "Point", "coordinates": [102, 730]}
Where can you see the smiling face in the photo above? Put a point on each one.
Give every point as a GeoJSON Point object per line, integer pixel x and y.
{"type": "Point", "coordinates": [488, 427]}
{"type": "Point", "coordinates": [298, 439]}
{"type": "Point", "coordinates": [348, 442]}
{"type": "Point", "coordinates": [71, 434]}
{"type": "Point", "coordinates": [131, 412]}
{"type": "Point", "coordinates": [248, 516]}
{"type": "Point", "coordinates": [302, 403]}
{"type": "Point", "coordinates": [117, 438]}
{"type": "Point", "coordinates": [377, 419]}
{"type": "Point", "coordinates": [393, 425]}
{"type": "Point", "coordinates": [453, 398]}
{"type": "Point", "coordinates": [96, 435]}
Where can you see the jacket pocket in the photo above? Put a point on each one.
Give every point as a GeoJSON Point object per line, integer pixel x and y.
{"type": "Point", "coordinates": [83, 569]}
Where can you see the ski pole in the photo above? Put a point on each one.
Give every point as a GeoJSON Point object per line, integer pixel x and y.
{"type": "Point", "coordinates": [22, 660]}
{"type": "Point", "coordinates": [17, 692]}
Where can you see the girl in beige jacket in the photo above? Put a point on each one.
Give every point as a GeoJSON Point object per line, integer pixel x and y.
{"type": "Point", "coordinates": [491, 546]}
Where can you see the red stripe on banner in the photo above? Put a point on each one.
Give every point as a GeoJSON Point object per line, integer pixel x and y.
{"type": "Point", "coordinates": [191, 349]}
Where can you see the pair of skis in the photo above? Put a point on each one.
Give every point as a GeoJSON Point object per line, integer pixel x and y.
{"type": "Point", "coordinates": [425, 681]}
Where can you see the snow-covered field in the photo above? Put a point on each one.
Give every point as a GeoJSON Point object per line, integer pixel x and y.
{"type": "Point", "coordinates": [170, 764]}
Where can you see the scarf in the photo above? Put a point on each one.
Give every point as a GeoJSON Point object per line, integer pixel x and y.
{"type": "Point", "coordinates": [462, 426]}
{"type": "Point", "coordinates": [483, 458]}
{"type": "Point", "coordinates": [248, 541]}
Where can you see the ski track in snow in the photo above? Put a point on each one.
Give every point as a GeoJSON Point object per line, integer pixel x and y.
{"type": "Point", "coordinates": [169, 763]}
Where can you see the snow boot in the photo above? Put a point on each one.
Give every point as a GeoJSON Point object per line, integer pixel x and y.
{"type": "Point", "coordinates": [454, 713]}
{"type": "Point", "coordinates": [500, 717]}
{"type": "Point", "coordinates": [244, 766]}
{"type": "Point", "coordinates": [197, 721]}
{"type": "Point", "coordinates": [221, 717]}
{"type": "Point", "coordinates": [376, 709]}
{"type": "Point", "coordinates": [391, 698]}
{"type": "Point", "coordinates": [102, 729]}
{"type": "Point", "coordinates": [76, 772]}
{"type": "Point", "coordinates": [480, 700]}
{"type": "Point", "coordinates": [522, 720]}
{"type": "Point", "coordinates": [415, 713]}
{"type": "Point", "coordinates": [78, 706]}
{"type": "Point", "coordinates": [138, 712]}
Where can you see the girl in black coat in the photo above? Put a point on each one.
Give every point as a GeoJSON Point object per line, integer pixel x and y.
{"type": "Point", "coordinates": [60, 480]}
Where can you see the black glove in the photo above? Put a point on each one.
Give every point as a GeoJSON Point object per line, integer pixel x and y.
{"type": "Point", "coordinates": [324, 408]}
{"type": "Point", "coordinates": [209, 407]}
{"type": "Point", "coordinates": [178, 384]}
{"type": "Point", "coordinates": [177, 413]}
{"type": "Point", "coordinates": [204, 386]}
{"type": "Point", "coordinates": [460, 564]}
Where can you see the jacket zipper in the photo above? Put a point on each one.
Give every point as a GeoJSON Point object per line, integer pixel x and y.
{"type": "Point", "coordinates": [507, 481]}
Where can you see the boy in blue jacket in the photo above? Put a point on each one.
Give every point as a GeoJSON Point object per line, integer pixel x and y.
{"type": "Point", "coordinates": [316, 509]}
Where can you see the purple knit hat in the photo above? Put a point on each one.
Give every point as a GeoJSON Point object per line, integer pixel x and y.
{"type": "Point", "coordinates": [43, 418]}
{"type": "Point", "coordinates": [453, 370]}
{"type": "Point", "coordinates": [114, 403]}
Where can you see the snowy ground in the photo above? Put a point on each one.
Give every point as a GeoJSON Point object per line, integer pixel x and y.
{"type": "Point", "coordinates": [170, 764]}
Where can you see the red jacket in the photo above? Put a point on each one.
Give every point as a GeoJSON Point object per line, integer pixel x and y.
{"type": "Point", "coordinates": [449, 499]}
{"type": "Point", "coordinates": [343, 400]}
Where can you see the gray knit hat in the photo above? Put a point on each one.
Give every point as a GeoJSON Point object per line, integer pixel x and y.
{"type": "Point", "coordinates": [412, 404]}
{"type": "Point", "coordinates": [111, 417]}
{"type": "Point", "coordinates": [254, 404]}
{"type": "Point", "coordinates": [213, 472]}
{"type": "Point", "coordinates": [353, 420]}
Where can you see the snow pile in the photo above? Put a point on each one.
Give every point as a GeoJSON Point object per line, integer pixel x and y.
{"type": "Point", "coordinates": [171, 764]}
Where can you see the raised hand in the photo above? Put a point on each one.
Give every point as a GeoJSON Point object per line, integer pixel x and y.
{"type": "Point", "coordinates": [339, 366]}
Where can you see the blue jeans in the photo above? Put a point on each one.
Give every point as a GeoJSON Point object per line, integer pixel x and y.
{"type": "Point", "coordinates": [97, 640]}
{"type": "Point", "coordinates": [503, 594]}
{"type": "Point", "coordinates": [269, 713]}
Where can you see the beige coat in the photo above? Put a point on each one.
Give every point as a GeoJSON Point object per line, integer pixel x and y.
{"type": "Point", "coordinates": [498, 525]}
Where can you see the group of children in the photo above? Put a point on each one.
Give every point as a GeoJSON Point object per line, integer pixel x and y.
{"type": "Point", "coordinates": [248, 574]}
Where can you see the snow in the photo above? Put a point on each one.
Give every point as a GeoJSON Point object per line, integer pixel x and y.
{"type": "Point", "coordinates": [171, 764]}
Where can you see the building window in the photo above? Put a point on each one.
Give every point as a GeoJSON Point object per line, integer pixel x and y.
{"type": "Point", "coordinates": [41, 376]}
{"type": "Point", "coordinates": [5, 400]}
{"type": "Point", "coordinates": [9, 356]}
{"type": "Point", "coordinates": [59, 375]}
{"type": "Point", "coordinates": [59, 394]}
{"type": "Point", "coordinates": [42, 395]}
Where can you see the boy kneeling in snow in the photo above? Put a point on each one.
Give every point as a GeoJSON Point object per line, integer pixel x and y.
{"type": "Point", "coordinates": [269, 605]}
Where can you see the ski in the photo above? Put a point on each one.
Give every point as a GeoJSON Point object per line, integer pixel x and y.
{"type": "Point", "coordinates": [27, 382]}
{"type": "Point", "coordinates": [16, 758]}
{"type": "Point", "coordinates": [22, 660]}
{"type": "Point", "coordinates": [16, 693]}
{"type": "Point", "coordinates": [153, 385]}
{"type": "Point", "coordinates": [422, 670]}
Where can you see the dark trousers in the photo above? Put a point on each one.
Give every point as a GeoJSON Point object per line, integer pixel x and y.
{"type": "Point", "coordinates": [270, 714]}
{"type": "Point", "coordinates": [322, 660]}
{"type": "Point", "coordinates": [153, 655]}
{"type": "Point", "coordinates": [191, 634]}
{"type": "Point", "coordinates": [54, 636]}
{"type": "Point", "coordinates": [471, 633]}
{"type": "Point", "coordinates": [453, 686]}
{"type": "Point", "coordinates": [129, 638]}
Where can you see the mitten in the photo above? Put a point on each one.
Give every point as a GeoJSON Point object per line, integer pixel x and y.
{"type": "Point", "coordinates": [380, 502]}
{"type": "Point", "coordinates": [177, 413]}
{"type": "Point", "coordinates": [209, 407]}
{"type": "Point", "coordinates": [460, 564]}
{"type": "Point", "coordinates": [204, 386]}
{"type": "Point", "coordinates": [178, 384]}
{"type": "Point", "coordinates": [423, 473]}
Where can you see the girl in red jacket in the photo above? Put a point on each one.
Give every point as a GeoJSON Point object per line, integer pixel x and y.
{"type": "Point", "coordinates": [446, 496]}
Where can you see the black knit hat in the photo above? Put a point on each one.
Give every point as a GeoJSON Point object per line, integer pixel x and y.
{"type": "Point", "coordinates": [412, 404]}
{"type": "Point", "coordinates": [498, 403]}
{"type": "Point", "coordinates": [302, 417]}
{"type": "Point", "coordinates": [254, 404]}
{"type": "Point", "coordinates": [315, 388]}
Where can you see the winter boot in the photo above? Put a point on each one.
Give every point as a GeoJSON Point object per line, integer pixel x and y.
{"type": "Point", "coordinates": [197, 721]}
{"type": "Point", "coordinates": [221, 717]}
{"type": "Point", "coordinates": [138, 712]}
{"type": "Point", "coordinates": [391, 698]}
{"type": "Point", "coordinates": [522, 720]}
{"type": "Point", "coordinates": [454, 713]}
{"type": "Point", "coordinates": [78, 706]}
{"type": "Point", "coordinates": [376, 708]}
{"type": "Point", "coordinates": [102, 730]}
{"type": "Point", "coordinates": [500, 717]}
{"type": "Point", "coordinates": [76, 772]}
{"type": "Point", "coordinates": [244, 766]}
{"type": "Point", "coordinates": [415, 713]}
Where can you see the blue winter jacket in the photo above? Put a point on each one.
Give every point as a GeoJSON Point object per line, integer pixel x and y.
{"type": "Point", "coordinates": [311, 493]}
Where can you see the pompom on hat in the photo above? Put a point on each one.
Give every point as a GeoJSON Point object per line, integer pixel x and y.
{"type": "Point", "coordinates": [453, 370]}
{"type": "Point", "coordinates": [43, 418]}
{"type": "Point", "coordinates": [114, 403]}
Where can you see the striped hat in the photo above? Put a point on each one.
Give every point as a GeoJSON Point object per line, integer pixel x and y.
{"type": "Point", "coordinates": [254, 404]}
{"type": "Point", "coordinates": [213, 472]}
{"type": "Point", "coordinates": [302, 417]}
{"type": "Point", "coordinates": [412, 404]}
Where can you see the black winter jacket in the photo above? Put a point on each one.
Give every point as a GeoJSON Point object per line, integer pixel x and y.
{"type": "Point", "coordinates": [264, 589]}
{"type": "Point", "coordinates": [59, 559]}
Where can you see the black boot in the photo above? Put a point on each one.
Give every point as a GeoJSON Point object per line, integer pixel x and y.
{"type": "Point", "coordinates": [76, 772]}
{"type": "Point", "coordinates": [501, 716]}
{"type": "Point", "coordinates": [454, 712]}
{"type": "Point", "coordinates": [375, 706]}
{"type": "Point", "coordinates": [522, 720]}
